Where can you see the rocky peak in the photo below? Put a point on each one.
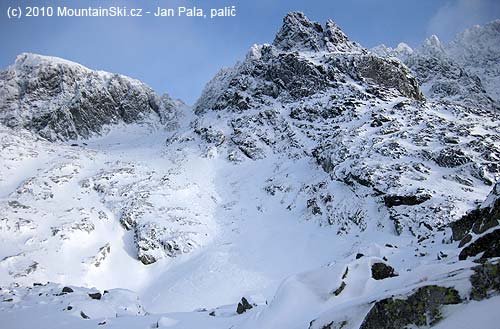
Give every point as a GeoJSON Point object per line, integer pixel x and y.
{"type": "Point", "coordinates": [432, 47]}
{"type": "Point", "coordinates": [477, 39]}
{"type": "Point", "coordinates": [433, 41]}
{"type": "Point", "coordinates": [301, 34]}
{"type": "Point", "coordinates": [336, 40]}
{"type": "Point", "coordinates": [305, 60]}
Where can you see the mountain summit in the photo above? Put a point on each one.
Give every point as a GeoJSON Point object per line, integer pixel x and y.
{"type": "Point", "coordinates": [301, 34]}
{"type": "Point", "coordinates": [305, 60]}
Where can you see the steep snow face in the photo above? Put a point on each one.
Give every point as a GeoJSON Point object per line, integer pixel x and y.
{"type": "Point", "coordinates": [61, 100]}
{"type": "Point", "coordinates": [465, 71]}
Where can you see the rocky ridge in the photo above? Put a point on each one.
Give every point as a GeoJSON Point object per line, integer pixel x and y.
{"type": "Point", "coordinates": [464, 71]}
{"type": "Point", "coordinates": [62, 100]}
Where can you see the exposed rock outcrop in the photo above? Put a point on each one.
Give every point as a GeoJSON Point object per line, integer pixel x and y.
{"type": "Point", "coordinates": [422, 308]}
{"type": "Point", "coordinates": [470, 229]}
{"type": "Point", "coordinates": [485, 281]}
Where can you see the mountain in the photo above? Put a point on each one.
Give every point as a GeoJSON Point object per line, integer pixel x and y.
{"type": "Point", "coordinates": [478, 51]}
{"type": "Point", "coordinates": [464, 71]}
{"type": "Point", "coordinates": [61, 100]}
{"type": "Point", "coordinates": [315, 184]}
{"type": "Point", "coordinates": [360, 117]}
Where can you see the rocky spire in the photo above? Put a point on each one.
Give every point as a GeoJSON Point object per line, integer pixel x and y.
{"type": "Point", "coordinates": [336, 40]}
{"type": "Point", "coordinates": [301, 34]}
{"type": "Point", "coordinates": [432, 46]}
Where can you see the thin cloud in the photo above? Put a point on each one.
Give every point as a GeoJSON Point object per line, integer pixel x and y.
{"type": "Point", "coordinates": [455, 16]}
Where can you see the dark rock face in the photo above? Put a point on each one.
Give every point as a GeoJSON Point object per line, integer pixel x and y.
{"type": "Point", "coordinates": [488, 244]}
{"type": "Point", "coordinates": [479, 220]}
{"type": "Point", "coordinates": [61, 100]}
{"type": "Point", "coordinates": [381, 271]}
{"type": "Point", "coordinates": [451, 158]}
{"type": "Point", "coordinates": [243, 306]}
{"type": "Point", "coordinates": [390, 74]}
{"type": "Point", "coordinates": [420, 309]}
{"type": "Point", "coordinates": [485, 281]}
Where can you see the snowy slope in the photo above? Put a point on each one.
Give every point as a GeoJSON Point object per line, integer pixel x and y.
{"type": "Point", "coordinates": [312, 178]}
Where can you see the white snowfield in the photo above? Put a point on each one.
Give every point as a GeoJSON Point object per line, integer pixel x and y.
{"type": "Point", "coordinates": [170, 223]}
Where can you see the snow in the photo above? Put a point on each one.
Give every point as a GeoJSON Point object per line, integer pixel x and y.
{"type": "Point", "coordinates": [464, 70]}
{"type": "Point", "coordinates": [254, 248]}
{"type": "Point", "coordinates": [36, 60]}
{"type": "Point", "coordinates": [482, 315]}
{"type": "Point", "coordinates": [175, 224]}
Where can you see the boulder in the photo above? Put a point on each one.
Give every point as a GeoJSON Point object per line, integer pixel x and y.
{"type": "Point", "coordinates": [382, 271]}
{"type": "Point", "coordinates": [243, 306]}
{"type": "Point", "coordinates": [67, 290]}
{"type": "Point", "coordinates": [95, 295]}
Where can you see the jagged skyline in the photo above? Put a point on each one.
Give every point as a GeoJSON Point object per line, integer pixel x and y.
{"type": "Point", "coordinates": [184, 61]}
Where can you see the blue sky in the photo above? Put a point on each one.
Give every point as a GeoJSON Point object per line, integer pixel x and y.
{"type": "Point", "coordinates": [179, 55]}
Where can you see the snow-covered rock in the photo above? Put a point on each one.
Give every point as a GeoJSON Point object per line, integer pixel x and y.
{"type": "Point", "coordinates": [298, 33]}
{"type": "Point", "coordinates": [478, 50]}
{"type": "Point", "coordinates": [361, 118]}
{"type": "Point", "coordinates": [464, 71]}
{"type": "Point", "coordinates": [62, 100]}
